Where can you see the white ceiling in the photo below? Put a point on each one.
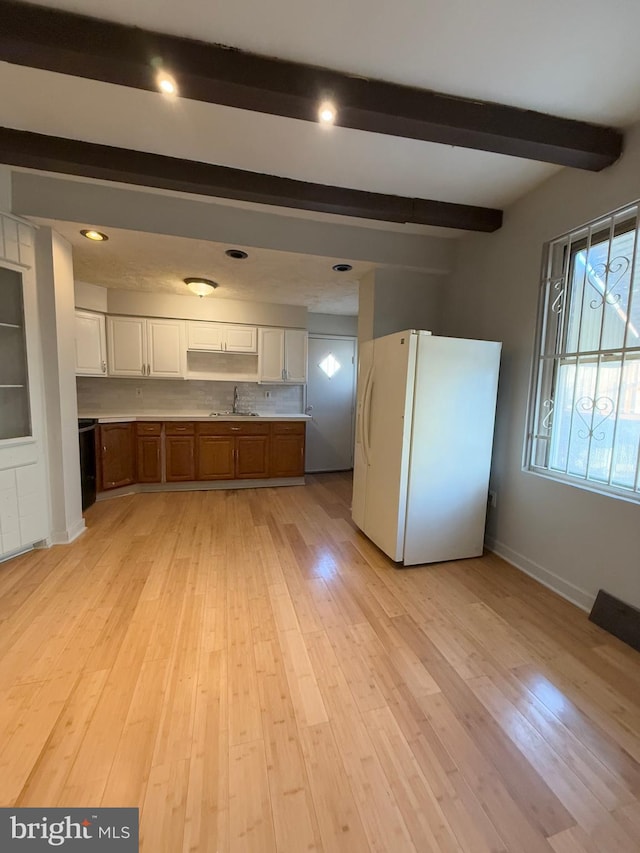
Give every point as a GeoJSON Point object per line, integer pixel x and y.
{"type": "Point", "coordinates": [134, 260]}
{"type": "Point", "coordinates": [577, 59]}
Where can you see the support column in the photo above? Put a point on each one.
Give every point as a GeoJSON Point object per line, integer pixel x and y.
{"type": "Point", "coordinates": [56, 309]}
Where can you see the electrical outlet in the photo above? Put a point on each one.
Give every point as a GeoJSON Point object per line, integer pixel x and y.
{"type": "Point", "coordinates": [139, 392]}
{"type": "Point", "coordinates": [492, 499]}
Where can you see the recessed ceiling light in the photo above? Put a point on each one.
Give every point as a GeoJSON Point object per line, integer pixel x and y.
{"type": "Point", "coordinates": [342, 267]}
{"type": "Point", "coordinates": [200, 286]}
{"type": "Point", "coordinates": [96, 236]}
{"type": "Point", "coordinates": [327, 113]}
{"type": "Point", "coordinates": [166, 84]}
{"type": "Point", "coordinates": [238, 254]}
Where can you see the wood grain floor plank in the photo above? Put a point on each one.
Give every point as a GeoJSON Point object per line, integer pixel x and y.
{"type": "Point", "coordinates": [255, 675]}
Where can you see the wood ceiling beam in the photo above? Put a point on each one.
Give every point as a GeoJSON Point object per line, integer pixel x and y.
{"type": "Point", "coordinates": [90, 160]}
{"type": "Point", "coordinates": [73, 44]}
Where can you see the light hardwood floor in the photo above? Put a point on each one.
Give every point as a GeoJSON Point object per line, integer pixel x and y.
{"type": "Point", "coordinates": [256, 676]}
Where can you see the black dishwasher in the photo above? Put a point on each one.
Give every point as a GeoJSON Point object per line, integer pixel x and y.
{"type": "Point", "coordinates": [87, 433]}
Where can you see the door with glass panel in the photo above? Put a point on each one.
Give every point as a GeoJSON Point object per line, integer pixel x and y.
{"type": "Point", "coordinates": [330, 402]}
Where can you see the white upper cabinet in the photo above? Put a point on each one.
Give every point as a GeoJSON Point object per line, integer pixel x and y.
{"type": "Point", "coordinates": [91, 344]}
{"type": "Point", "coordinates": [141, 347]}
{"type": "Point", "coordinates": [167, 353]}
{"type": "Point", "coordinates": [282, 356]}
{"type": "Point", "coordinates": [218, 337]}
{"type": "Point", "coordinates": [295, 356]}
{"type": "Point", "coordinates": [271, 355]}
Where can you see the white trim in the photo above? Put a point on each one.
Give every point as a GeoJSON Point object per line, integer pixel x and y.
{"type": "Point", "coordinates": [580, 597]}
{"type": "Point", "coordinates": [65, 537]}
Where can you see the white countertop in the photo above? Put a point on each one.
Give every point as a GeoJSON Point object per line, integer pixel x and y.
{"type": "Point", "coordinates": [115, 417]}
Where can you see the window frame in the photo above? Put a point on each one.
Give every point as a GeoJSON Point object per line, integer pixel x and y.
{"type": "Point", "coordinates": [602, 230]}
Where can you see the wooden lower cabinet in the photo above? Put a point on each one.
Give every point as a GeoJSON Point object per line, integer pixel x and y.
{"type": "Point", "coordinates": [223, 450]}
{"type": "Point", "coordinates": [216, 457]}
{"type": "Point", "coordinates": [180, 458]}
{"type": "Point", "coordinates": [149, 452]}
{"type": "Point", "coordinates": [117, 455]}
{"type": "Point", "coordinates": [287, 449]}
{"type": "Point", "coordinates": [232, 451]}
{"type": "Point", "coordinates": [252, 457]}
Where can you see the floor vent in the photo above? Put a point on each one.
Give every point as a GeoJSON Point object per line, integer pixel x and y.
{"type": "Point", "coordinates": [618, 618]}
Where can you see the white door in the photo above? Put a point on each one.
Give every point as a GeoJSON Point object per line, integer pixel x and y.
{"type": "Point", "coordinates": [330, 402]}
{"type": "Point", "coordinates": [127, 346]}
{"type": "Point", "coordinates": [295, 356]}
{"type": "Point", "coordinates": [358, 503]}
{"type": "Point", "coordinates": [91, 346]}
{"type": "Point", "coordinates": [387, 434]}
{"type": "Point", "coordinates": [167, 351]}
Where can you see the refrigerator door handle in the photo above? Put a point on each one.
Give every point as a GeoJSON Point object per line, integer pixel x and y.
{"type": "Point", "coordinates": [366, 416]}
{"type": "Point", "coordinates": [360, 410]}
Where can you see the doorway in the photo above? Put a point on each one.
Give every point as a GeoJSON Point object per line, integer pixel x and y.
{"type": "Point", "coordinates": [331, 403]}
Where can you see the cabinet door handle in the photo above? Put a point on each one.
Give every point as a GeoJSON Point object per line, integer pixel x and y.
{"type": "Point", "coordinates": [235, 428]}
{"type": "Point", "coordinates": [144, 369]}
{"type": "Point", "coordinates": [148, 370]}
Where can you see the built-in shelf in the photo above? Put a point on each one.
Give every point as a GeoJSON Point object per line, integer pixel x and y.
{"type": "Point", "coordinates": [222, 366]}
{"type": "Point", "coordinates": [15, 415]}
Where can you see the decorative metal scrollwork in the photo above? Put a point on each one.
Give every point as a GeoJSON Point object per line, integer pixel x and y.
{"type": "Point", "coordinates": [556, 286]}
{"type": "Point", "coordinates": [547, 421]}
{"type": "Point", "coordinates": [593, 412]}
{"type": "Point", "coordinates": [616, 268]}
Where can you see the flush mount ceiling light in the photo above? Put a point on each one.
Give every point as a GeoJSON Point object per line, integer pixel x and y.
{"type": "Point", "coordinates": [342, 267]}
{"type": "Point", "coordinates": [96, 236]}
{"type": "Point", "coordinates": [326, 113]}
{"type": "Point", "coordinates": [237, 254]}
{"type": "Point", "coordinates": [200, 286]}
{"type": "Point", "coordinates": [166, 84]}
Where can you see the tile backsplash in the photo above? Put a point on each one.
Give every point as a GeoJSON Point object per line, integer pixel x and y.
{"type": "Point", "coordinates": [130, 396]}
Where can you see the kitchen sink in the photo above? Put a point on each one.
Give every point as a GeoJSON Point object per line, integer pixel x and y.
{"type": "Point", "coordinates": [233, 415]}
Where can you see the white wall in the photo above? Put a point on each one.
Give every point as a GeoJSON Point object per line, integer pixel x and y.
{"type": "Point", "coordinates": [161, 212]}
{"type": "Point", "coordinates": [574, 540]}
{"type": "Point", "coordinates": [90, 297]}
{"type": "Point", "coordinates": [54, 267]}
{"type": "Point", "coordinates": [136, 302]}
{"type": "Point", "coordinates": [392, 299]}
{"type": "Point", "coordinates": [332, 324]}
{"type": "Point", "coordinates": [407, 299]}
{"type": "Point", "coordinates": [5, 188]}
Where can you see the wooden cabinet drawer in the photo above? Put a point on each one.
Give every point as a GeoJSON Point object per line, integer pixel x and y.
{"type": "Point", "coordinates": [288, 427]}
{"type": "Point", "coordinates": [178, 428]}
{"type": "Point", "coordinates": [232, 428]}
{"type": "Point", "coordinates": [147, 428]}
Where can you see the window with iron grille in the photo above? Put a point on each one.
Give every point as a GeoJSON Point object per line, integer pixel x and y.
{"type": "Point", "coordinates": [584, 424]}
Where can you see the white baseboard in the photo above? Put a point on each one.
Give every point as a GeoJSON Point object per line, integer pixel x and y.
{"type": "Point", "coordinates": [580, 597]}
{"type": "Point", "coordinates": [65, 537]}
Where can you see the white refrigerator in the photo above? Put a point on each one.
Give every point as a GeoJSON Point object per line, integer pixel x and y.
{"type": "Point", "coordinates": [424, 433]}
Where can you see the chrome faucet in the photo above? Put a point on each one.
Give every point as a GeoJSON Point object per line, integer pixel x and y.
{"type": "Point", "coordinates": [235, 400]}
